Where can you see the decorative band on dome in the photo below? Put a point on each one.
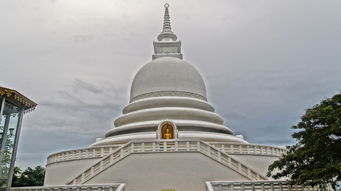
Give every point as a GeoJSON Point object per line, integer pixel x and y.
{"type": "Point", "coordinates": [168, 93]}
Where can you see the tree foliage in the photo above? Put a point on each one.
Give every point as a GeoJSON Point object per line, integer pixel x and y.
{"type": "Point", "coordinates": [28, 177]}
{"type": "Point", "coordinates": [5, 156]}
{"type": "Point", "coordinates": [316, 158]}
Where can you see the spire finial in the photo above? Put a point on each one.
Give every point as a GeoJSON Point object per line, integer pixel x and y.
{"type": "Point", "coordinates": [166, 19]}
{"type": "Point", "coordinates": [166, 43]}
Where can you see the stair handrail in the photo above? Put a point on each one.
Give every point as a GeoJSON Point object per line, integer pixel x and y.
{"type": "Point", "coordinates": [165, 146]}
{"type": "Point", "coordinates": [229, 148]}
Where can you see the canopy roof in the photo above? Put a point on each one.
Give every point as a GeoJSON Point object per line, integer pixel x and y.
{"type": "Point", "coordinates": [17, 98]}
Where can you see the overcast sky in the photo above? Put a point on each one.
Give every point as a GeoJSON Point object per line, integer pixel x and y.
{"type": "Point", "coordinates": [264, 62]}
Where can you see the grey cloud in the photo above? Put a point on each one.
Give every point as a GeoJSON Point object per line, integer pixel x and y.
{"type": "Point", "coordinates": [82, 38]}
{"type": "Point", "coordinates": [264, 62]}
{"type": "Point", "coordinates": [80, 85]}
{"type": "Point", "coordinates": [69, 120]}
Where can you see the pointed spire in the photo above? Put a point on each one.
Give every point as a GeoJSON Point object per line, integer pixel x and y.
{"type": "Point", "coordinates": [167, 43]}
{"type": "Point", "coordinates": [167, 32]}
{"type": "Point", "coordinates": [166, 19]}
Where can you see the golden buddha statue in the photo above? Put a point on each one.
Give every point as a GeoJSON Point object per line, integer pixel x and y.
{"type": "Point", "coordinates": [167, 134]}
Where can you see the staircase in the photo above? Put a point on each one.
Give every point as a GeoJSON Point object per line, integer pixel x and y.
{"type": "Point", "coordinates": [164, 146]}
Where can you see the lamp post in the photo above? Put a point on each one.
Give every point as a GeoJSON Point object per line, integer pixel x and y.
{"type": "Point", "coordinates": [12, 108]}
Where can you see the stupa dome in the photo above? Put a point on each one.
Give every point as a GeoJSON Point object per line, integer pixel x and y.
{"type": "Point", "coordinates": [167, 76]}
{"type": "Point", "coordinates": [168, 90]}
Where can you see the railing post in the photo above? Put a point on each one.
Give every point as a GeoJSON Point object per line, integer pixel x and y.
{"type": "Point", "coordinates": [209, 151]}
{"type": "Point", "coordinates": [269, 151]}
{"type": "Point", "coordinates": [100, 166]}
{"type": "Point", "coordinates": [92, 169]}
{"type": "Point", "coordinates": [239, 166]}
{"type": "Point", "coordinates": [249, 172]}
{"type": "Point", "coordinates": [176, 146]}
{"type": "Point", "coordinates": [153, 146]}
{"type": "Point", "coordinates": [102, 152]}
{"type": "Point", "coordinates": [131, 147]}
{"type": "Point", "coordinates": [82, 178]}
{"type": "Point", "coordinates": [265, 150]}
{"type": "Point", "coordinates": [272, 151]}
{"type": "Point", "coordinates": [220, 188]}
{"type": "Point", "coordinates": [223, 148]}
{"type": "Point", "coordinates": [87, 153]}
{"type": "Point", "coordinates": [219, 156]}
{"type": "Point", "coordinates": [187, 145]}
{"type": "Point", "coordinates": [272, 186]}
{"type": "Point", "coordinates": [198, 146]}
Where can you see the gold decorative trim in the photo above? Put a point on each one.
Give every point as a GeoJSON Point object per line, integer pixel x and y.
{"type": "Point", "coordinates": [28, 104]}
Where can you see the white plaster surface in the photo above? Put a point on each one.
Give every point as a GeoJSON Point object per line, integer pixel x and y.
{"type": "Point", "coordinates": [167, 74]}
{"type": "Point", "coordinates": [167, 101]}
{"type": "Point", "coordinates": [256, 162]}
{"type": "Point", "coordinates": [170, 113]}
{"type": "Point", "coordinates": [181, 171]}
{"type": "Point", "coordinates": [61, 172]}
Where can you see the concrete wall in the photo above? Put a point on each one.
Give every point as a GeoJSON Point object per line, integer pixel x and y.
{"type": "Point", "coordinates": [256, 162]}
{"type": "Point", "coordinates": [157, 171]}
{"type": "Point", "coordinates": [181, 171]}
{"type": "Point", "coordinates": [61, 172]}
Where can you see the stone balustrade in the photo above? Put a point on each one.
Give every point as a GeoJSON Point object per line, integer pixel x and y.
{"type": "Point", "coordinates": [249, 149]}
{"type": "Point", "coordinates": [229, 148]}
{"type": "Point", "coordinates": [87, 153]}
{"type": "Point", "coordinates": [103, 187]}
{"type": "Point", "coordinates": [257, 186]}
{"type": "Point", "coordinates": [165, 146]}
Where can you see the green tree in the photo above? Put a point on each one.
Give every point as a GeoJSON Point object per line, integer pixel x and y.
{"type": "Point", "coordinates": [16, 175]}
{"type": "Point", "coordinates": [5, 156]}
{"type": "Point", "coordinates": [29, 177]}
{"type": "Point", "coordinates": [316, 157]}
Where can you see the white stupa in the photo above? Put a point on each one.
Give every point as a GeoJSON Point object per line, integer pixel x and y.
{"type": "Point", "coordinates": [168, 136]}
{"type": "Point", "coordinates": [168, 90]}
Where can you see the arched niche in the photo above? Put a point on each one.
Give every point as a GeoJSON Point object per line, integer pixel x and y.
{"type": "Point", "coordinates": [167, 130]}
